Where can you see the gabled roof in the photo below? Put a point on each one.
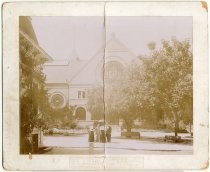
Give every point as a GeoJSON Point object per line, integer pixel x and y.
{"type": "Point", "coordinates": [114, 44]}
{"type": "Point", "coordinates": [78, 71]}
{"type": "Point", "coordinates": [35, 45]}
{"type": "Point", "coordinates": [62, 71]}
{"type": "Point", "coordinates": [26, 26]}
{"type": "Point", "coordinates": [26, 30]}
{"type": "Point", "coordinates": [88, 72]}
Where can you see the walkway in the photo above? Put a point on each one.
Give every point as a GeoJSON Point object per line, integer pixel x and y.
{"type": "Point", "coordinates": [80, 145]}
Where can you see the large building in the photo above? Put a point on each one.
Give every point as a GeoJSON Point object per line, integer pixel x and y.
{"type": "Point", "coordinates": [68, 81]}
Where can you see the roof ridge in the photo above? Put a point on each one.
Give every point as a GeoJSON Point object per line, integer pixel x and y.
{"type": "Point", "coordinates": [85, 65]}
{"type": "Point", "coordinates": [101, 50]}
{"type": "Point", "coordinates": [124, 46]}
{"type": "Point", "coordinates": [37, 46]}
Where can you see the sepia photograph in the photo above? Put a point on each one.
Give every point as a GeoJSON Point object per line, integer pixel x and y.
{"type": "Point", "coordinates": [119, 85]}
{"type": "Point", "coordinates": [105, 86]}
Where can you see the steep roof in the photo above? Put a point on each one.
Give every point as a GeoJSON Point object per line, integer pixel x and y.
{"type": "Point", "coordinates": [77, 71]}
{"type": "Point", "coordinates": [26, 26]}
{"type": "Point", "coordinates": [115, 45]}
{"type": "Point", "coordinates": [27, 31]}
{"type": "Point", "coordinates": [63, 71]}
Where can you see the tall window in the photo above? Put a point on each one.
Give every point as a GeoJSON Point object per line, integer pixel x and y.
{"type": "Point", "coordinates": [113, 70]}
{"type": "Point", "coordinates": [81, 94]}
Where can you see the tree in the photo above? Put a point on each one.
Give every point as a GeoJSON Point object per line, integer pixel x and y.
{"type": "Point", "coordinates": [96, 103]}
{"type": "Point", "coordinates": [183, 99]}
{"type": "Point", "coordinates": [167, 79]}
{"type": "Point", "coordinates": [33, 95]}
{"type": "Point", "coordinates": [152, 45]}
{"type": "Point", "coordinates": [73, 124]}
{"type": "Point", "coordinates": [119, 102]}
{"type": "Point", "coordinates": [157, 87]}
{"type": "Point", "coordinates": [62, 116]}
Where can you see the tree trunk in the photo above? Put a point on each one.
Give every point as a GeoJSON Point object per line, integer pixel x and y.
{"type": "Point", "coordinates": [176, 132]}
{"type": "Point", "coordinates": [128, 129]}
{"type": "Point", "coordinates": [191, 134]}
{"type": "Point", "coordinates": [190, 127]}
{"type": "Point", "coordinates": [176, 124]}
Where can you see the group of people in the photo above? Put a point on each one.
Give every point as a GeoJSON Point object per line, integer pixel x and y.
{"type": "Point", "coordinates": [100, 134]}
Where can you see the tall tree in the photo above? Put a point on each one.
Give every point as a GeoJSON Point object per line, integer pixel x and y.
{"type": "Point", "coordinates": [158, 87]}
{"type": "Point", "coordinates": [168, 76]}
{"type": "Point", "coordinates": [33, 95]}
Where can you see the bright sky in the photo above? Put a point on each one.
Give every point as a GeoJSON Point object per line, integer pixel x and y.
{"type": "Point", "coordinates": [60, 37]}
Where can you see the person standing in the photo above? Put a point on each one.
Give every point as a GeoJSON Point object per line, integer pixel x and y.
{"type": "Point", "coordinates": [91, 135]}
{"type": "Point", "coordinates": [102, 134]}
{"type": "Point", "coordinates": [108, 133]}
{"type": "Point", "coordinates": [91, 140]}
{"type": "Point", "coordinates": [97, 133]}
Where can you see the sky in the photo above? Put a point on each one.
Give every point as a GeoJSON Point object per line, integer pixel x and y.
{"type": "Point", "coordinates": [63, 37]}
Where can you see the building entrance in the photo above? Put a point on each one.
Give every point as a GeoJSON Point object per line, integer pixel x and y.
{"type": "Point", "coordinates": [80, 113]}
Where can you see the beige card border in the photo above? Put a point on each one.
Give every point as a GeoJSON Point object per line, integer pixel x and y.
{"type": "Point", "coordinates": [11, 158]}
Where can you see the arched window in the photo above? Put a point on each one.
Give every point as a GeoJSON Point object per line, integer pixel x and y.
{"type": "Point", "coordinates": [81, 113]}
{"type": "Point", "coordinates": [113, 70]}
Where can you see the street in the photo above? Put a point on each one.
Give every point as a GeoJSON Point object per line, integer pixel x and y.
{"type": "Point", "coordinates": [79, 145]}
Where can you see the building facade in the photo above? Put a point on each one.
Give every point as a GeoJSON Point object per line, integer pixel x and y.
{"type": "Point", "coordinates": [68, 82]}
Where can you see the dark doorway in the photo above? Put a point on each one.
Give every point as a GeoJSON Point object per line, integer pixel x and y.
{"type": "Point", "coordinates": [81, 113]}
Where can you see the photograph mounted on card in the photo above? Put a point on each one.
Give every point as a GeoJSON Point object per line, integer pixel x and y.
{"type": "Point", "coordinates": [97, 85]}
